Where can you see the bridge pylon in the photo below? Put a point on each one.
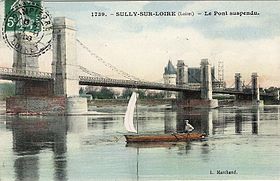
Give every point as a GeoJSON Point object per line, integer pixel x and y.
{"type": "Point", "coordinates": [255, 90]}
{"type": "Point", "coordinates": [23, 62]}
{"type": "Point", "coordinates": [64, 65]}
{"type": "Point", "coordinates": [206, 80]}
{"type": "Point", "coordinates": [238, 82]}
{"type": "Point", "coordinates": [181, 76]}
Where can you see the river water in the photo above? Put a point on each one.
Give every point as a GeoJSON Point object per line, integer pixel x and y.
{"type": "Point", "coordinates": [240, 139]}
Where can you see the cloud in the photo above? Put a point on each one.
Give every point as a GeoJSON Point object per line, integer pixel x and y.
{"type": "Point", "coordinates": [145, 54]}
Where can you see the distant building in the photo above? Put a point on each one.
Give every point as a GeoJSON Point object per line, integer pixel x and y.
{"type": "Point", "coordinates": [192, 77]}
{"type": "Point", "coordinates": [169, 77]}
{"type": "Point", "coordinates": [194, 74]}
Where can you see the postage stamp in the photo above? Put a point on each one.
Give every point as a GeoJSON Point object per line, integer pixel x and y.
{"type": "Point", "coordinates": [27, 28]}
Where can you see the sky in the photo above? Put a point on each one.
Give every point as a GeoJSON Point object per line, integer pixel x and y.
{"type": "Point", "coordinates": [142, 46]}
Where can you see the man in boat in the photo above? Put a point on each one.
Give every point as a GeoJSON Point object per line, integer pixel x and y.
{"type": "Point", "coordinates": [188, 127]}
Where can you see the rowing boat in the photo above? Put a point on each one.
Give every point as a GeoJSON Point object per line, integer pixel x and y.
{"type": "Point", "coordinates": [175, 137]}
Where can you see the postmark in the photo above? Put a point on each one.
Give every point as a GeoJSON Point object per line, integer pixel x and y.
{"type": "Point", "coordinates": [27, 29]}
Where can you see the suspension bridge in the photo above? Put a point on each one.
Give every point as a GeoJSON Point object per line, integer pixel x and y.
{"type": "Point", "coordinates": [98, 80]}
{"type": "Point", "coordinates": [60, 88]}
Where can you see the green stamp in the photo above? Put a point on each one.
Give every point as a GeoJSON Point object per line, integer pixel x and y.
{"type": "Point", "coordinates": [27, 27]}
{"type": "Point", "coordinates": [24, 9]}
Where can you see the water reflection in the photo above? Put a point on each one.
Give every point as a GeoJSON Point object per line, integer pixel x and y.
{"type": "Point", "coordinates": [77, 124]}
{"type": "Point", "coordinates": [27, 168]}
{"type": "Point", "coordinates": [207, 122]}
{"type": "Point", "coordinates": [59, 130]}
{"type": "Point", "coordinates": [238, 121]}
{"type": "Point", "coordinates": [214, 122]}
{"type": "Point", "coordinates": [201, 120]}
{"type": "Point", "coordinates": [38, 138]}
{"type": "Point", "coordinates": [278, 111]}
{"type": "Point", "coordinates": [30, 136]}
{"type": "Point", "coordinates": [205, 150]}
{"type": "Point", "coordinates": [255, 120]}
{"type": "Point", "coordinates": [169, 122]}
{"type": "Point", "coordinates": [100, 122]}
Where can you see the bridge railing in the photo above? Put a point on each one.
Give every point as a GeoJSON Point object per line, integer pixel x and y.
{"type": "Point", "coordinates": [25, 73]}
{"type": "Point", "coordinates": [132, 83]}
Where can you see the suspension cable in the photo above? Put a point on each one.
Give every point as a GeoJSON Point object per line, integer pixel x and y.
{"type": "Point", "coordinates": [248, 84]}
{"type": "Point", "coordinates": [232, 85]}
{"type": "Point", "coordinates": [91, 72]}
{"type": "Point", "coordinates": [197, 81]}
{"type": "Point", "coordinates": [108, 65]}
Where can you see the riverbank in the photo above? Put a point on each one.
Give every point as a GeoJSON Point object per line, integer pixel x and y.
{"type": "Point", "coordinates": [146, 102]}
{"type": "Point", "coordinates": [123, 102]}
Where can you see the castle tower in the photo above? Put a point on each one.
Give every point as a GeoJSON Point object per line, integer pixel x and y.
{"type": "Point", "coordinates": [182, 74]}
{"type": "Point", "coordinates": [169, 77]}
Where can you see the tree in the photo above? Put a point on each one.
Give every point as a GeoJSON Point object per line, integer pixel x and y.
{"type": "Point", "coordinates": [81, 91]}
{"type": "Point", "coordinates": [126, 93]}
{"type": "Point", "coordinates": [103, 93]}
{"type": "Point", "coordinates": [106, 93]}
{"type": "Point", "coordinates": [142, 94]}
{"type": "Point", "coordinates": [7, 89]}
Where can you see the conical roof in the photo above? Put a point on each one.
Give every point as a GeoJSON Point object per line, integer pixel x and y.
{"type": "Point", "coordinates": [169, 69]}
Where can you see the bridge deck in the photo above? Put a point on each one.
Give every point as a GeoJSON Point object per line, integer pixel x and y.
{"type": "Point", "coordinates": [16, 74]}
{"type": "Point", "coordinates": [84, 80]}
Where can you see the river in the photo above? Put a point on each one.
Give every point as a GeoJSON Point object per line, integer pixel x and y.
{"type": "Point", "coordinates": [243, 141]}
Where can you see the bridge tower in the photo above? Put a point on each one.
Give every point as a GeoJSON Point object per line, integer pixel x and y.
{"type": "Point", "coordinates": [64, 65]}
{"type": "Point", "coordinates": [26, 63]}
{"type": "Point", "coordinates": [255, 89]}
{"type": "Point", "coordinates": [182, 75]}
{"type": "Point", "coordinates": [206, 80]}
{"type": "Point", "coordinates": [238, 82]}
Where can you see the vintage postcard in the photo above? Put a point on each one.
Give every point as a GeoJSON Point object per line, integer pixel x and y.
{"type": "Point", "coordinates": [139, 90]}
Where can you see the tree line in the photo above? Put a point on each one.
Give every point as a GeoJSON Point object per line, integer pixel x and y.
{"type": "Point", "coordinates": [109, 93]}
